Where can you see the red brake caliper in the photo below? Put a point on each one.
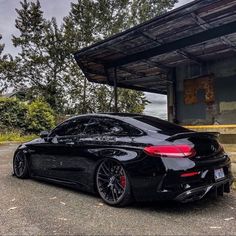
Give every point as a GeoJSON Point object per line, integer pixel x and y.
{"type": "Point", "coordinates": [123, 181]}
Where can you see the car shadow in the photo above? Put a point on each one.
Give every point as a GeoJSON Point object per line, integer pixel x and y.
{"type": "Point", "coordinates": [65, 187]}
{"type": "Point", "coordinates": [208, 202]}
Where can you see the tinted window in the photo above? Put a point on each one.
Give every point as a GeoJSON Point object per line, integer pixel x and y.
{"type": "Point", "coordinates": [71, 127]}
{"type": "Point", "coordinates": [94, 127]}
{"type": "Point", "coordinates": [108, 126]}
{"type": "Point", "coordinates": [163, 126]}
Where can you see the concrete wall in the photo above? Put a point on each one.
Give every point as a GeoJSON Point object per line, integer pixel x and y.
{"type": "Point", "coordinates": [223, 110]}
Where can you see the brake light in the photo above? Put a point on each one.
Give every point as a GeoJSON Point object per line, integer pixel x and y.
{"type": "Point", "coordinates": [190, 174]}
{"type": "Point", "coordinates": [173, 151]}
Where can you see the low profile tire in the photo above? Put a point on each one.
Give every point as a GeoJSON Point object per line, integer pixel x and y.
{"type": "Point", "coordinates": [20, 165]}
{"type": "Point", "coordinates": [113, 184]}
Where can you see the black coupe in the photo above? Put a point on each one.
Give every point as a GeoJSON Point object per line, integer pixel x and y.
{"type": "Point", "coordinates": [125, 157]}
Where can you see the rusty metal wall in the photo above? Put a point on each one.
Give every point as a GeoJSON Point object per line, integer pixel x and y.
{"type": "Point", "coordinates": [192, 87]}
{"type": "Point", "coordinates": [208, 96]}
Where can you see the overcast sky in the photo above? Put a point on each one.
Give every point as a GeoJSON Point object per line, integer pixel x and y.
{"type": "Point", "coordinates": [59, 9]}
{"type": "Point", "coordinates": [51, 8]}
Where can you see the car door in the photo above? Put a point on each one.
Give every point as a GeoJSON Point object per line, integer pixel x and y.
{"type": "Point", "coordinates": [59, 155]}
{"type": "Point", "coordinates": [77, 160]}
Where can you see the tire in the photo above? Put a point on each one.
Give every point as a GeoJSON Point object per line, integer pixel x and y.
{"type": "Point", "coordinates": [20, 165]}
{"type": "Point", "coordinates": [113, 184]}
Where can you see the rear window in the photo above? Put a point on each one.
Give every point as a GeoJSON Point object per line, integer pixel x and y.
{"type": "Point", "coordinates": [162, 125]}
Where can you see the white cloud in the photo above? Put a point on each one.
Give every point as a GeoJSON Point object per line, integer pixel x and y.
{"type": "Point", "coordinates": [182, 2]}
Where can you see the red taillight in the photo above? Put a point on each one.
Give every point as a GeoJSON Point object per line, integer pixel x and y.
{"type": "Point", "coordinates": [190, 174]}
{"type": "Point", "coordinates": [174, 151]}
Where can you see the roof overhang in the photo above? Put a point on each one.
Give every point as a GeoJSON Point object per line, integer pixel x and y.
{"type": "Point", "coordinates": [142, 57]}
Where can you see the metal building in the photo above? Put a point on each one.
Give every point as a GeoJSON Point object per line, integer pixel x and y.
{"type": "Point", "coordinates": [189, 54]}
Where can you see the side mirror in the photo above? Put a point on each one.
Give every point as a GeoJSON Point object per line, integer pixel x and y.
{"type": "Point", "coordinates": [44, 134]}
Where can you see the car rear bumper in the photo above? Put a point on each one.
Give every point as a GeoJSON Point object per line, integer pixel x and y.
{"type": "Point", "coordinates": [171, 186]}
{"type": "Point", "coordinates": [218, 188]}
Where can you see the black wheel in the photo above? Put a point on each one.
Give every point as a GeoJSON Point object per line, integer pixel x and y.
{"type": "Point", "coordinates": [20, 166]}
{"type": "Point", "coordinates": [113, 184]}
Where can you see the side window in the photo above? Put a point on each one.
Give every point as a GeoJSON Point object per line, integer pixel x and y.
{"type": "Point", "coordinates": [94, 127]}
{"type": "Point", "coordinates": [131, 130]}
{"type": "Point", "coordinates": [71, 127]}
{"type": "Point", "coordinates": [108, 126]}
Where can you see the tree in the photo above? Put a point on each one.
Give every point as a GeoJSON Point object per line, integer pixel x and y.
{"type": "Point", "coordinates": [46, 64]}
{"type": "Point", "coordinates": [27, 117]}
{"type": "Point", "coordinates": [13, 114]}
{"type": "Point", "coordinates": [1, 45]}
{"type": "Point", "coordinates": [39, 117]}
{"type": "Point", "coordinates": [91, 21]}
{"type": "Point", "coordinates": [142, 10]}
{"type": "Point", "coordinates": [1, 67]}
{"type": "Point", "coordinates": [7, 68]}
{"type": "Point", "coordinates": [42, 54]}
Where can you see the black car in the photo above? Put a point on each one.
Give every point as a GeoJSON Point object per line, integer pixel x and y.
{"type": "Point", "coordinates": [127, 157]}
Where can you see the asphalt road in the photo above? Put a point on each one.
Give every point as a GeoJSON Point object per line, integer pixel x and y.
{"type": "Point", "coordinates": [29, 207]}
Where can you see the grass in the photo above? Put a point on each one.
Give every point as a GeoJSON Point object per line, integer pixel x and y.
{"type": "Point", "coordinates": [234, 185]}
{"type": "Point", "coordinates": [16, 137]}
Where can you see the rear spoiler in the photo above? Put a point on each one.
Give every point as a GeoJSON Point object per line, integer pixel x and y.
{"type": "Point", "coordinates": [193, 134]}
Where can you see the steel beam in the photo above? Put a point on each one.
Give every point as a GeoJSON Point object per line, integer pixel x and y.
{"type": "Point", "coordinates": [182, 52]}
{"type": "Point", "coordinates": [156, 64]}
{"type": "Point", "coordinates": [206, 26]}
{"type": "Point", "coordinates": [143, 89]}
{"type": "Point", "coordinates": [145, 79]}
{"type": "Point", "coordinates": [132, 72]}
{"type": "Point", "coordinates": [94, 72]}
{"type": "Point", "coordinates": [115, 90]}
{"type": "Point", "coordinates": [171, 97]}
{"type": "Point", "coordinates": [206, 35]}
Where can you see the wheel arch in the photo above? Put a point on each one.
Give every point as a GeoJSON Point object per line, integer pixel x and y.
{"type": "Point", "coordinates": [113, 159]}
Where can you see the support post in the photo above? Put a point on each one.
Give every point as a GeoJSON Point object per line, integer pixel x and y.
{"type": "Point", "coordinates": [115, 90]}
{"type": "Point", "coordinates": [171, 97]}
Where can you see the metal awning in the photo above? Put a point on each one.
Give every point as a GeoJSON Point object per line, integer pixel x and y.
{"type": "Point", "coordinates": [142, 57]}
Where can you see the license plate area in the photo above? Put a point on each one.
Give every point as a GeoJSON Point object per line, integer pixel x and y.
{"type": "Point", "coordinates": [219, 174]}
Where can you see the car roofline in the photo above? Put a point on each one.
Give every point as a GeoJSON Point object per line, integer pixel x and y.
{"type": "Point", "coordinates": [108, 114]}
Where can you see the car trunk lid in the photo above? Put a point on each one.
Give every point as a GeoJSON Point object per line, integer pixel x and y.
{"type": "Point", "coordinates": [206, 144]}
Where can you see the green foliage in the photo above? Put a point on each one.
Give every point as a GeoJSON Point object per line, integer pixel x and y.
{"type": "Point", "coordinates": [42, 55]}
{"type": "Point", "coordinates": [146, 9]}
{"type": "Point", "coordinates": [91, 21]}
{"type": "Point", "coordinates": [16, 136]}
{"type": "Point", "coordinates": [46, 64]}
{"type": "Point", "coordinates": [1, 45]}
{"type": "Point", "coordinates": [7, 68]}
{"type": "Point", "coordinates": [39, 117]}
{"type": "Point", "coordinates": [131, 101]}
{"type": "Point", "coordinates": [28, 118]}
{"type": "Point", "coordinates": [13, 114]}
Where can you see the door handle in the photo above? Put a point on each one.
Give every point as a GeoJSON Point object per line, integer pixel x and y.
{"type": "Point", "coordinates": [70, 143]}
{"type": "Point", "coordinates": [30, 151]}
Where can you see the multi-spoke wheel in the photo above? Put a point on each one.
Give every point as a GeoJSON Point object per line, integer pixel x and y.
{"type": "Point", "coordinates": [20, 165]}
{"type": "Point", "coordinates": [113, 184]}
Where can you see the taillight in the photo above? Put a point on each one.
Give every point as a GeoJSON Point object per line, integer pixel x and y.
{"type": "Point", "coordinates": [190, 174]}
{"type": "Point", "coordinates": [173, 151]}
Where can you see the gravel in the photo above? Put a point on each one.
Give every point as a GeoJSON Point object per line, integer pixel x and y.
{"type": "Point", "coordinates": [30, 207]}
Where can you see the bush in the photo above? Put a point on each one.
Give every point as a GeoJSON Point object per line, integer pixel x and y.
{"type": "Point", "coordinates": [16, 136]}
{"type": "Point", "coordinates": [13, 114]}
{"type": "Point", "coordinates": [39, 117]}
{"type": "Point", "coordinates": [26, 118]}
